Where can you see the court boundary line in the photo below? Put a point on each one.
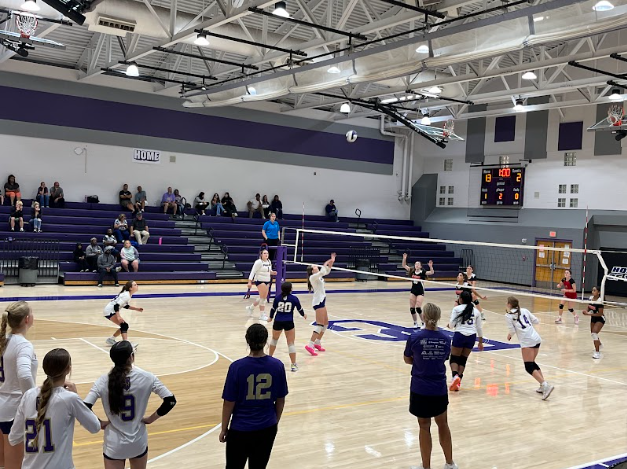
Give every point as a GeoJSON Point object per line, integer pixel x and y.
{"type": "Point", "coordinates": [600, 461]}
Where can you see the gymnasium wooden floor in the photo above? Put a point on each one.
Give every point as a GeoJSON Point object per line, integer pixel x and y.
{"type": "Point", "coordinates": [347, 408]}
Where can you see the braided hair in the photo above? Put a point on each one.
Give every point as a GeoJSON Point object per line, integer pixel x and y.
{"type": "Point", "coordinates": [120, 354]}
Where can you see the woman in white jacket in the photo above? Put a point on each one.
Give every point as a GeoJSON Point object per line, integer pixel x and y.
{"type": "Point", "coordinates": [315, 283]}
{"type": "Point", "coordinates": [261, 274]}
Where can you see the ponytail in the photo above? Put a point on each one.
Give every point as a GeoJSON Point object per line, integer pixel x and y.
{"type": "Point", "coordinates": [515, 307]}
{"type": "Point", "coordinates": [431, 314]}
{"type": "Point", "coordinates": [309, 274]}
{"type": "Point", "coordinates": [466, 299]}
{"type": "Point", "coordinates": [44, 397]}
{"type": "Point", "coordinates": [127, 286]}
{"type": "Point", "coordinates": [117, 384]}
{"type": "Point", "coordinates": [12, 317]}
{"type": "Point", "coordinates": [3, 332]}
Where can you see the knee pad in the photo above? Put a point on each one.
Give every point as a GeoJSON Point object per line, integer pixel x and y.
{"type": "Point", "coordinates": [318, 329]}
{"type": "Point", "coordinates": [273, 342]}
{"type": "Point", "coordinates": [530, 367]}
{"type": "Point", "coordinates": [454, 359]}
{"type": "Point", "coordinates": [324, 328]}
{"type": "Point", "coordinates": [419, 311]}
{"type": "Point", "coordinates": [124, 327]}
{"type": "Point", "coordinates": [561, 306]}
{"type": "Point", "coordinates": [461, 361]}
{"type": "Point", "coordinates": [571, 310]}
{"type": "Point", "coordinates": [595, 336]}
{"type": "Point", "coordinates": [291, 348]}
{"type": "Point", "coordinates": [412, 311]}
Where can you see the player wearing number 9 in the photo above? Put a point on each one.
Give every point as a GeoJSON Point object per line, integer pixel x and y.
{"type": "Point", "coordinates": [44, 422]}
{"type": "Point", "coordinates": [254, 397]}
{"type": "Point", "coordinates": [125, 392]}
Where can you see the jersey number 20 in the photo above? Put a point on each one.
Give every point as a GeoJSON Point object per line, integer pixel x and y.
{"type": "Point", "coordinates": [258, 387]}
{"type": "Point", "coordinates": [284, 307]}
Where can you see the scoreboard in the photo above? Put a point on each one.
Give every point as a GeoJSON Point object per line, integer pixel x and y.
{"type": "Point", "coordinates": [502, 186]}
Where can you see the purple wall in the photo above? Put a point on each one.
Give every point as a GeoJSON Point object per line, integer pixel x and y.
{"type": "Point", "coordinates": [94, 114]}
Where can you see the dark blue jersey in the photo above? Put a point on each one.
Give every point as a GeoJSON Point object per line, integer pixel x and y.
{"type": "Point", "coordinates": [284, 307]}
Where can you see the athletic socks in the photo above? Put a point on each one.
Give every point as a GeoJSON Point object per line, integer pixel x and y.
{"type": "Point", "coordinates": [455, 373]}
{"type": "Point", "coordinates": [311, 344]}
{"type": "Point", "coordinates": [317, 342]}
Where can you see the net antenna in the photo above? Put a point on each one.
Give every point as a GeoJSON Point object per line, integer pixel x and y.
{"type": "Point", "coordinates": [26, 23]}
{"type": "Point", "coordinates": [615, 115]}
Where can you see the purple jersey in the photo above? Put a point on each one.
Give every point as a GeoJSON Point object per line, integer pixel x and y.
{"type": "Point", "coordinates": [430, 350]}
{"type": "Point", "coordinates": [254, 384]}
{"type": "Point", "coordinates": [284, 307]}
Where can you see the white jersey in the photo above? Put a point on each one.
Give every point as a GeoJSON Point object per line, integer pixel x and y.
{"type": "Point", "coordinates": [317, 283]}
{"type": "Point", "coordinates": [54, 444]}
{"type": "Point", "coordinates": [123, 299]}
{"type": "Point", "coordinates": [126, 436]}
{"type": "Point", "coordinates": [261, 271]}
{"type": "Point", "coordinates": [469, 327]}
{"type": "Point", "coordinates": [18, 372]}
{"type": "Point", "coordinates": [523, 327]}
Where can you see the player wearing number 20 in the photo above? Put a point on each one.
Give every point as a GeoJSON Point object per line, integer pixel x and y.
{"type": "Point", "coordinates": [284, 306]}
{"type": "Point", "coordinates": [254, 397]}
{"type": "Point", "coordinates": [125, 392]}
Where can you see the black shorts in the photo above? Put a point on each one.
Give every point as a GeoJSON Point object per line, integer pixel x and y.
{"type": "Point", "coordinates": [426, 407]}
{"type": "Point", "coordinates": [595, 319]}
{"type": "Point", "coordinates": [136, 457]}
{"type": "Point", "coordinates": [282, 325]}
{"type": "Point", "coordinates": [5, 427]}
{"type": "Point", "coordinates": [537, 345]}
{"type": "Point", "coordinates": [417, 290]}
{"type": "Point", "coordinates": [110, 316]}
{"type": "Point", "coordinates": [259, 283]}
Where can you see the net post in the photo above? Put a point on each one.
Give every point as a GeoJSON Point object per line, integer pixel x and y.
{"type": "Point", "coordinates": [281, 257]}
{"type": "Point", "coordinates": [296, 245]}
{"type": "Point", "coordinates": [585, 255]}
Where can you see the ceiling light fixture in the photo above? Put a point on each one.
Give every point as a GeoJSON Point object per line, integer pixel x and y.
{"type": "Point", "coordinates": [435, 90]}
{"type": "Point", "coordinates": [538, 18]}
{"type": "Point", "coordinates": [132, 70]}
{"type": "Point", "coordinates": [334, 69]}
{"type": "Point", "coordinates": [425, 119]}
{"type": "Point", "coordinates": [30, 5]}
{"type": "Point", "coordinates": [345, 108]}
{"type": "Point", "coordinates": [280, 9]}
{"type": "Point", "coordinates": [529, 76]}
{"type": "Point", "coordinates": [519, 107]}
{"type": "Point", "coordinates": [603, 5]}
{"type": "Point", "coordinates": [423, 49]}
{"type": "Point", "coordinates": [201, 40]}
{"type": "Point", "coordinates": [616, 95]}
{"type": "Point", "coordinates": [251, 90]}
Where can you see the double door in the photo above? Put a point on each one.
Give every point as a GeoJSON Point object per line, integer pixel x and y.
{"type": "Point", "coordinates": [550, 265]}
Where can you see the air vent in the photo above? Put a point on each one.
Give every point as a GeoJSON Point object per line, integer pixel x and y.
{"type": "Point", "coordinates": [114, 26]}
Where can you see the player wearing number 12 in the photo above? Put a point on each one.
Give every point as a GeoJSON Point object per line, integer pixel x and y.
{"type": "Point", "coordinates": [284, 307]}
{"type": "Point", "coordinates": [254, 398]}
{"type": "Point", "coordinates": [45, 418]}
{"type": "Point", "coordinates": [125, 392]}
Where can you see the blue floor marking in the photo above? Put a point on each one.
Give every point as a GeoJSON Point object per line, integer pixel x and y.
{"type": "Point", "coordinates": [603, 463]}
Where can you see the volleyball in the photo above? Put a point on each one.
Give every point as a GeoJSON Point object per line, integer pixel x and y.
{"type": "Point", "coordinates": [351, 136]}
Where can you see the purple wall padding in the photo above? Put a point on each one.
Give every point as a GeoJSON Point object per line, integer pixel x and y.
{"type": "Point", "coordinates": [94, 114]}
{"type": "Point", "coordinates": [570, 136]}
{"type": "Point", "coordinates": [505, 129]}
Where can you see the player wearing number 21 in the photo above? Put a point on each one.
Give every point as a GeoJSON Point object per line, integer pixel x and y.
{"type": "Point", "coordinates": [125, 391]}
{"type": "Point", "coordinates": [254, 397]}
{"type": "Point", "coordinates": [45, 418]}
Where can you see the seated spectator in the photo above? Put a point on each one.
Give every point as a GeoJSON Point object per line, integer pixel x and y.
{"type": "Point", "coordinates": [266, 206]}
{"type": "Point", "coordinates": [79, 258]}
{"type": "Point", "coordinates": [228, 206]}
{"type": "Point", "coordinates": [91, 254]}
{"type": "Point", "coordinates": [140, 199]}
{"type": "Point", "coordinates": [35, 217]}
{"type": "Point", "coordinates": [200, 204]}
{"type": "Point", "coordinates": [130, 256]}
{"type": "Point", "coordinates": [42, 195]}
{"type": "Point", "coordinates": [168, 201]}
{"type": "Point", "coordinates": [125, 199]}
{"type": "Point", "coordinates": [216, 205]}
{"type": "Point", "coordinates": [181, 203]}
{"type": "Point", "coordinates": [331, 211]}
{"type": "Point", "coordinates": [277, 207]}
{"type": "Point", "coordinates": [109, 239]}
{"type": "Point", "coordinates": [57, 199]}
{"type": "Point", "coordinates": [17, 216]}
{"type": "Point", "coordinates": [12, 190]}
{"type": "Point", "coordinates": [120, 228]}
{"type": "Point", "coordinates": [255, 206]}
{"type": "Point", "coordinates": [139, 229]}
{"type": "Point", "coordinates": [106, 266]}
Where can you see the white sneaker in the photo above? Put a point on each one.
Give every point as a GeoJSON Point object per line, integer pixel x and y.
{"type": "Point", "coordinates": [596, 355]}
{"type": "Point", "coordinates": [558, 320]}
{"type": "Point", "coordinates": [416, 326]}
{"type": "Point", "coordinates": [21, 229]}
{"type": "Point", "coordinates": [546, 392]}
{"type": "Point", "coordinates": [540, 390]}
{"type": "Point", "coordinates": [250, 309]}
{"type": "Point", "coordinates": [263, 317]}
{"type": "Point", "coordinates": [451, 466]}
{"type": "Point", "coordinates": [111, 341]}
{"type": "Point", "coordinates": [294, 367]}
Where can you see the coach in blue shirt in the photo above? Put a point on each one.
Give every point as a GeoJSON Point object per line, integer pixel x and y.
{"type": "Point", "coordinates": [271, 234]}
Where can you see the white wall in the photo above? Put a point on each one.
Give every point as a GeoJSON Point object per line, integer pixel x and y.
{"type": "Point", "coordinates": [107, 167]}
{"type": "Point", "coordinates": [602, 179]}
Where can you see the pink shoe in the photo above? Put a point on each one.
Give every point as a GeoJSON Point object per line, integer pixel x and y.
{"type": "Point", "coordinates": [576, 319]}
{"type": "Point", "coordinates": [311, 350]}
{"type": "Point", "coordinates": [320, 348]}
{"type": "Point", "coordinates": [455, 384]}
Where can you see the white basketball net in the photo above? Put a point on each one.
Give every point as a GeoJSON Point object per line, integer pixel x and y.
{"type": "Point", "coordinates": [449, 126]}
{"type": "Point", "coordinates": [615, 115]}
{"type": "Point", "coordinates": [27, 24]}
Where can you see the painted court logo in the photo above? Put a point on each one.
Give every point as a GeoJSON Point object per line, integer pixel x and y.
{"type": "Point", "coordinates": [619, 271]}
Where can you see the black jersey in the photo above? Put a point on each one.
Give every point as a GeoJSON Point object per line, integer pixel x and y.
{"type": "Point", "coordinates": [463, 287]}
{"type": "Point", "coordinates": [418, 275]}
{"type": "Point", "coordinates": [595, 306]}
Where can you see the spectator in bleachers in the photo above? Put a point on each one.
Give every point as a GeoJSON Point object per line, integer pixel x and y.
{"type": "Point", "coordinates": [106, 266]}
{"type": "Point", "coordinates": [57, 199]}
{"type": "Point", "coordinates": [35, 217]}
{"type": "Point", "coordinates": [12, 190]}
{"type": "Point", "coordinates": [125, 199]}
{"type": "Point", "coordinates": [200, 204]}
{"type": "Point", "coordinates": [120, 228]}
{"type": "Point", "coordinates": [331, 211]}
{"type": "Point", "coordinates": [42, 195]}
{"type": "Point", "coordinates": [91, 254]}
{"type": "Point", "coordinates": [229, 206]}
{"type": "Point", "coordinates": [79, 258]}
{"type": "Point", "coordinates": [168, 201]}
{"type": "Point", "coordinates": [139, 229]}
{"type": "Point", "coordinates": [17, 216]}
{"type": "Point", "coordinates": [129, 255]}
{"type": "Point", "coordinates": [271, 234]}
{"type": "Point", "coordinates": [109, 239]}
{"type": "Point", "coordinates": [266, 206]}
{"type": "Point", "coordinates": [255, 205]}
{"type": "Point", "coordinates": [216, 206]}
{"type": "Point", "coordinates": [277, 207]}
{"type": "Point", "coordinates": [140, 199]}
{"type": "Point", "coordinates": [180, 202]}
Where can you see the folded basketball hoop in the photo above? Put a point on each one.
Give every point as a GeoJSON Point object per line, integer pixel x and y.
{"type": "Point", "coordinates": [615, 115]}
{"type": "Point", "coordinates": [449, 127]}
{"type": "Point", "coordinates": [27, 24]}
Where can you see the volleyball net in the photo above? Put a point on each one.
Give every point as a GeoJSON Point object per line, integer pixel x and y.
{"type": "Point", "coordinates": [499, 268]}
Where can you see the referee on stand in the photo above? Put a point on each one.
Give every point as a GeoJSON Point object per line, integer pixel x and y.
{"type": "Point", "coordinates": [271, 234]}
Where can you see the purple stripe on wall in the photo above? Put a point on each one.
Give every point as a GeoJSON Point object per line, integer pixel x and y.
{"type": "Point", "coordinates": [94, 114]}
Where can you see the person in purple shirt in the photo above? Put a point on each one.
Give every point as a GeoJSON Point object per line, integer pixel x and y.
{"type": "Point", "coordinates": [427, 351]}
{"type": "Point", "coordinates": [254, 397]}
{"type": "Point", "coordinates": [169, 201]}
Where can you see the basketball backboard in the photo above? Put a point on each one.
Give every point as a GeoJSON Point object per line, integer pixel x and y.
{"type": "Point", "coordinates": [613, 122]}
{"type": "Point", "coordinates": [33, 41]}
{"type": "Point", "coordinates": [439, 132]}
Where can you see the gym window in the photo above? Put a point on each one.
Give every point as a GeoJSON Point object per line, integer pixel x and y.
{"type": "Point", "coordinates": [450, 201]}
{"type": "Point", "coordinates": [442, 201]}
{"type": "Point", "coordinates": [570, 159]}
{"type": "Point", "coordinates": [448, 165]}
{"type": "Point", "coordinates": [562, 189]}
{"type": "Point", "coordinates": [442, 189]}
{"type": "Point", "coordinates": [451, 189]}
{"type": "Point", "coordinates": [574, 188]}
{"type": "Point", "coordinates": [561, 203]}
{"type": "Point", "coordinates": [574, 203]}
{"type": "Point", "coordinates": [504, 160]}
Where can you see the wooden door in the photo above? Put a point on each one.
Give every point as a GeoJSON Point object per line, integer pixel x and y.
{"type": "Point", "coordinates": [550, 265]}
{"type": "Point", "coordinates": [562, 260]}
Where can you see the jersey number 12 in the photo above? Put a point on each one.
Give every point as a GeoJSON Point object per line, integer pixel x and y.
{"type": "Point", "coordinates": [258, 387]}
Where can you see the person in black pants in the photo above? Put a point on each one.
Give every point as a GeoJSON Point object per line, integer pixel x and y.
{"type": "Point", "coordinates": [106, 266]}
{"type": "Point", "coordinates": [276, 206]}
{"type": "Point", "coordinates": [251, 413]}
{"type": "Point", "coordinates": [271, 234]}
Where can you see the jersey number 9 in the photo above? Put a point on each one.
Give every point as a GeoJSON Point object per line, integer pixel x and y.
{"type": "Point", "coordinates": [31, 434]}
{"type": "Point", "coordinates": [258, 387]}
{"type": "Point", "coordinates": [128, 411]}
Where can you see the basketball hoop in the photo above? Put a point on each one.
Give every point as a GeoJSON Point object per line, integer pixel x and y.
{"type": "Point", "coordinates": [615, 115]}
{"type": "Point", "coordinates": [27, 24]}
{"type": "Point", "coordinates": [449, 126]}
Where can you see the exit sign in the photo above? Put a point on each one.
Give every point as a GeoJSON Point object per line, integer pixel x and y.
{"type": "Point", "coordinates": [552, 234]}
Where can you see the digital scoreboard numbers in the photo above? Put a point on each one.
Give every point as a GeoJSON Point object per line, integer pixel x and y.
{"type": "Point", "coordinates": [502, 186]}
